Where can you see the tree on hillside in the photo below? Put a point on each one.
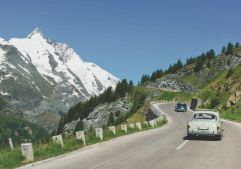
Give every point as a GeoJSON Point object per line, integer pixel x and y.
{"type": "Point", "coordinates": [170, 69]}
{"type": "Point", "coordinates": [175, 67]}
{"type": "Point", "coordinates": [122, 88]}
{"type": "Point", "coordinates": [179, 64]}
{"type": "Point", "coordinates": [210, 54]}
{"type": "Point", "coordinates": [145, 78]}
{"type": "Point", "coordinates": [190, 60]}
{"type": "Point", "coordinates": [229, 48]}
{"type": "Point", "coordinates": [131, 85]}
{"type": "Point", "coordinates": [154, 76]}
{"type": "Point", "coordinates": [237, 45]}
{"type": "Point", "coordinates": [108, 96]}
{"type": "Point", "coordinates": [224, 50]}
{"type": "Point", "coordinates": [199, 63]}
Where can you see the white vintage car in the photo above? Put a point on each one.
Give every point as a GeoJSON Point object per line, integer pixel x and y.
{"type": "Point", "coordinates": [205, 123]}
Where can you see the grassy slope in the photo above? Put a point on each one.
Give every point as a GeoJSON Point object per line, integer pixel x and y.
{"type": "Point", "coordinates": [19, 130]}
{"type": "Point", "coordinates": [215, 92]}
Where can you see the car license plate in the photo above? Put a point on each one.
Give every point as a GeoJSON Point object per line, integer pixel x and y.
{"type": "Point", "coordinates": [203, 128]}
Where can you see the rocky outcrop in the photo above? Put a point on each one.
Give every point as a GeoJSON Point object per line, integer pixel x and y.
{"type": "Point", "coordinates": [233, 99]}
{"type": "Point", "coordinates": [69, 128]}
{"type": "Point", "coordinates": [173, 84]}
{"type": "Point", "coordinates": [101, 114]}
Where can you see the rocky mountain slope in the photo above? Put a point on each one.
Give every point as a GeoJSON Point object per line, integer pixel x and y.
{"type": "Point", "coordinates": [101, 114]}
{"type": "Point", "coordinates": [41, 79]}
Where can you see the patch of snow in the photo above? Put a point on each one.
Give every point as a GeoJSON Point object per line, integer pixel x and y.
{"type": "Point", "coordinates": [11, 66]}
{"type": "Point", "coordinates": [4, 93]}
{"type": "Point", "coordinates": [24, 69]}
{"type": "Point", "coordinates": [10, 75]}
{"type": "Point", "coordinates": [37, 88]}
{"type": "Point", "coordinates": [2, 56]}
{"type": "Point", "coordinates": [75, 94]}
{"type": "Point", "coordinates": [3, 41]}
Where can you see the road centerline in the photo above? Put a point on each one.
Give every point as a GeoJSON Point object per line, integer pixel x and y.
{"type": "Point", "coordinates": [181, 145]}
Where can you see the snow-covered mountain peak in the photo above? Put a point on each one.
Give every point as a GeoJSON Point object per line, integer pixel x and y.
{"type": "Point", "coordinates": [56, 59]}
{"type": "Point", "coordinates": [48, 77]}
{"type": "Point", "coordinates": [3, 41]}
{"type": "Point", "coordinates": [36, 33]}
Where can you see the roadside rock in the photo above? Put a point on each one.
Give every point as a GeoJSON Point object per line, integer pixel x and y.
{"type": "Point", "coordinates": [100, 115]}
{"type": "Point", "coordinates": [70, 127]}
{"type": "Point", "coordinates": [233, 99]}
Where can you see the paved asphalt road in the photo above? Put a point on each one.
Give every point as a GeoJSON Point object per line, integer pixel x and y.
{"type": "Point", "coordinates": [162, 148]}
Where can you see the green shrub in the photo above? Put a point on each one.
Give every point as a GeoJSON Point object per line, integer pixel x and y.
{"type": "Point", "coordinates": [10, 158]}
{"type": "Point", "coordinates": [214, 101]}
{"type": "Point", "coordinates": [229, 73]}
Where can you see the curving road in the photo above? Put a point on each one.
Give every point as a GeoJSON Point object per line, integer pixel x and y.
{"type": "Point", "coordinates": [162, 148]}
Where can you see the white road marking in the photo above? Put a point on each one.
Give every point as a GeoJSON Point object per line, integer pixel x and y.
{"type": "Point", "coordinates": [181, 145]}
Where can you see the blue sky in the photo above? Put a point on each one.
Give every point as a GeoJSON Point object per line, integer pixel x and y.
{"type": "Point", "coordinates": [128, 37]}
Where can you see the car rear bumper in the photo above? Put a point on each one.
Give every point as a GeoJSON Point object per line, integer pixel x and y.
{"type": "Point", "coordinates": [203, 133]}
{"type": "Point", "coordinates": [180, 110]}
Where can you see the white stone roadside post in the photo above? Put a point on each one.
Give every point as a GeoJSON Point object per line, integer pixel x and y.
{"type": "Point", "coordinates": [131, 125]}
{"type": "Point", "coordinates": [151, 123]}
{"type": "Point", "coordinates": [112, 129]}
{"type": "Point", "coordinates": [99, 133]}
{"type": "Point", "coordinates": [10, 143]}
{"type": "Point", "coordinates": [27, 151]}
{"type": "Point", "coordinates": [58, 140]}
{"type": "Point", "coordinates": [80, 135]}
{"type": "Point", "coordinates": [155, 122]}
{"type": "Point", "coordinates": [124, 128]}
{"type": "Point", "coordinates": [138, 125]}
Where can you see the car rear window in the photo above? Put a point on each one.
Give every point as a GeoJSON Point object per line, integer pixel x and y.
{"type": "Point", "coordinates": [204, 116]}
{"type": "Point", "coordinates": [181, 105]}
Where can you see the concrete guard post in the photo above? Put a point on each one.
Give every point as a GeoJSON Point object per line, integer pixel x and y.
{"type": "Point", "coordinates": [138, 125]}
{"type": "Point", "coordinates": [112, 129]}
{"type": "Point", "coordinates": [80, 135]}
{"type": "Point", "coordinates": [155, 122]}
{"type": "Point", "coordinates": [151, 122]}
{"type": "Point", "coordinates": [58, 139]}
{"type": "Point", "coordinates": [131, 125]}
{"type": "Point", "coordinates": [10, 141]}
{"type": "Point", "coordinates": [99, 133]}
{"type": "Point", "coordinates": [124, 128]}
{"type": "Point", "coordinates": [27, 151]}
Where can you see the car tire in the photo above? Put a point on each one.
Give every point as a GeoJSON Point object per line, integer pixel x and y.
{"type": "Point", "coordinates": [220, 137]}
{"type": "Point", "coordinates": [189, 137]}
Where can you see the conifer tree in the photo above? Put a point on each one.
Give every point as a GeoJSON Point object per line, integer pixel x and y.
{"type": "Point", "coordinates": [229, 48]}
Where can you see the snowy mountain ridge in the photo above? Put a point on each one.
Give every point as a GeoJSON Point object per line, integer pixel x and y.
{"type": "Point", "coordinates": [52, 72]}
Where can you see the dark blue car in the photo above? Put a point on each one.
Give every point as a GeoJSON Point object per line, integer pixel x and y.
{"type": "Point", "coordinates": [181, 107]}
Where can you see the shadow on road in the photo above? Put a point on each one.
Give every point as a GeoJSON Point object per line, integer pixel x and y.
{"type": "Point", "coordinates": [201, 138]}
